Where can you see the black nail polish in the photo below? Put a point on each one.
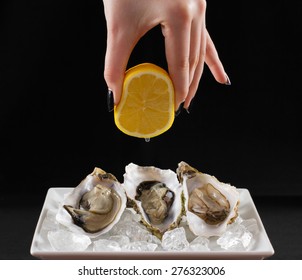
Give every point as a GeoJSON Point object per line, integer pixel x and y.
{"type": "Point", "coordinates": [228, 82]}
{"type": "Point", "coordinates": [188, 110]}
{"type": "Point", "coordinates": [178, 111]}
{"type": "Point", "coordinates": [110, 100]}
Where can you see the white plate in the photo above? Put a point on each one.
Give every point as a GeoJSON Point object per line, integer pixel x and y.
{"type": "Point", "coordinates": [261, 249]}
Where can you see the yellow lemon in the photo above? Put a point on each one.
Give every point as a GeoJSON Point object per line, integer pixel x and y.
{"type": "Point", "coordinates": [146, 108]}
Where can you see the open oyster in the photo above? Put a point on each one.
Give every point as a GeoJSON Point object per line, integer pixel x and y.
{"type": "Point", "coordinates": [95, 205]}
{"type": "Point", "coordinates": [210, 205]}
{"type": "Point", "coordinates": [156, 194]}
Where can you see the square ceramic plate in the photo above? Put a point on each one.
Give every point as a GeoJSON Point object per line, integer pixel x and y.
{"type": "Point", "coordinates": [41, 248]}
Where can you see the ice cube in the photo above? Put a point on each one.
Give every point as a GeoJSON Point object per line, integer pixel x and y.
{"type": "Point", "coordinates": [64, 240]}
{"type": "Point", "coordinates": [236, 238]}
{"type": "Point", "coordinates": [49, 222]}
{"type": "Point", "coordinates": [120, 239]}
{"type": "Point", "coordinates": [200, 243]}
{"type": "Point", "coordinates": [251, 225]}
{"type": "Point", "coordinates": [175, 240]}
{"type": "Point", "coordinates": [127, 216]}
{"type": "Point", "coordinates": [131, 229]}
{"type": "Point", "coordinates": [141, 246]}
{"type": "Point", "coordinates": [106, 245]}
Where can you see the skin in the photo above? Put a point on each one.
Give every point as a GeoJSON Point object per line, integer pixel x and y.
{"type": "Point", "coordinates": [188, 45]}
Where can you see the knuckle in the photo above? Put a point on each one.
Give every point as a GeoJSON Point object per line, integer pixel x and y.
{"type": "Point", "coordinates": [201, 6]}
{"type": "Point", "coordinates": [109, 75]}
{"type": "Point", "coordinates": [194, 60]}
{"type": "Point", "coordinates": [182, 64]}
{"type": "Point", "coordinates": [182, 12]}
{"type": "Point", "coordinates": [202, 54]}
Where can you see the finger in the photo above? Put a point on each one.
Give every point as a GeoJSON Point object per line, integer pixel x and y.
{"type": "Point", "coordinates": [199, 68]}
{"type": "Point", "coordinates": [177, 47]}
{"type": "Point", "coordinates": [195, 44]}
{"type": "Point", "coordinates": [214, 63]}
{"type": "Point", "coordinates": [119, 48]}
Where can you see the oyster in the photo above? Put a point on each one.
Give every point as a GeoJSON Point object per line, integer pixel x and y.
{"type": "Point", "coordinates": [156, 195]}
{"type": "Point", "coordinates": [210, 205]}
{"type": "Point", "coordinates": [95, 205]}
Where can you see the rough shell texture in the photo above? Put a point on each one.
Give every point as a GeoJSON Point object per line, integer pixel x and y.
{"type": "Point", "coordinates": [191, 179]}
{"type": "Point", "coordinates": [135, 175]}
{"type": "Point", "coordinates": [98, 176]}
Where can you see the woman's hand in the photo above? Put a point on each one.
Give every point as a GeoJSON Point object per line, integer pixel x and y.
{"type": "Point", "coordinates": [187, 43]}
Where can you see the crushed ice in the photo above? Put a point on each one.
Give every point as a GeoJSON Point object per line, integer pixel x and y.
{"type": "Point", "coordinates": [129, 235]}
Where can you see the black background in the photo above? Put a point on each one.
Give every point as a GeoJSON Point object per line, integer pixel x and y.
{"type": "Point", "coordinates": [55, 127]}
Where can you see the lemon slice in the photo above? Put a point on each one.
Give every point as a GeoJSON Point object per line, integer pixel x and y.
{"type": "Point", "coordinates": [146, 108]}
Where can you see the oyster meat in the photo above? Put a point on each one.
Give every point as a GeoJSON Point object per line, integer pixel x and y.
{"type": "Point", "coordinates": [95, 205]}
{"type": "Point", "coordinates": [156, 195]}
{"type": "Point", "coordinates": [156, 200]}
{"type": "Point", "coordinates": [210, 205]}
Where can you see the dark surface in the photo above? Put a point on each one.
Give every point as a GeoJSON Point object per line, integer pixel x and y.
{"type": "Point", "coordinates": [54, 124]}
{"type": "Point", "coordinates": [55, 128]}
{"type": "Point", "coordinates": [281, 218]}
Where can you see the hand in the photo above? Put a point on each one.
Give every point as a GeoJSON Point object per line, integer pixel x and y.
{"type": "Point", "coordinates": [187, 43]}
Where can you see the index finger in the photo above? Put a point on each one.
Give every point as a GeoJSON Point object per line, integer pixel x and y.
{"type": "Point", "coordinates": [119, 48]}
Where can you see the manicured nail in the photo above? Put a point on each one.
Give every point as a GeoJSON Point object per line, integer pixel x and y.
{"type": "Point", "coordinates": [228, 82]}
{"type": "Point", "coordinates": [110, 100]}
{"type": "Point", "coordinates": [188, 109]}
{"type": "Point", "coordinates": [178, 111]}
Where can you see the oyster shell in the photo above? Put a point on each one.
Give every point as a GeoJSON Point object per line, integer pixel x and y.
{"type": "Point", "coordinates": [210, 205]}
{"type": "Point", "coordinates": [95, 205]}
{"type": "Point", "coordinates": [156, 194]}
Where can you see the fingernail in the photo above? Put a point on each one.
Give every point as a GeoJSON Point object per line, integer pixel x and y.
{"type": "Point", "coordinates": [188, 109]}
{"type": "Point", "coordinates": [110, 100]}
{"type": "Point", "coordinates": [178, 111]}
{"type": "Point", "coordinates": [228, 82]}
